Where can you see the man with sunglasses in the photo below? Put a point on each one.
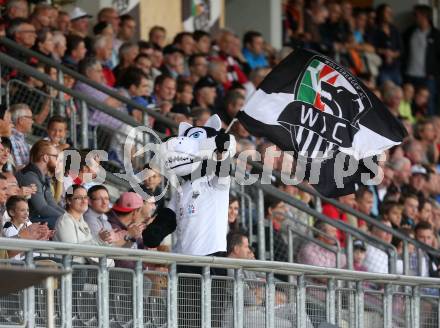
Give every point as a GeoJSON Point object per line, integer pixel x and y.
{"type": "Point", "coordinates": [43, 161]}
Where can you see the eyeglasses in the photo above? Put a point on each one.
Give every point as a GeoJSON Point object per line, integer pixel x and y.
{"type": "Point", "coordinates": [52, 155]}
{"type": "Point", "coordinates": [80, 198]}
{"type": "Point", "coordinates": [28, 117]}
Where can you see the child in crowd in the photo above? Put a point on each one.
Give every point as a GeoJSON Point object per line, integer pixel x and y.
{"type": "Point", "coordinates": [392, 212]}
{"type": "Point", "coordinates": [57, 132]}
{"type": "Point", "coordinates": [359, 251]}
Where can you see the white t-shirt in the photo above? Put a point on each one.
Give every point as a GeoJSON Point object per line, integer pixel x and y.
{"type": "Point", "coordinates": [10, 230]}
{"type": "Point", "coordinates": [201, 209]}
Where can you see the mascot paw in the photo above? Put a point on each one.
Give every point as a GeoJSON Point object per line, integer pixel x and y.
{"type": "Point", "coordinates": [164, 224]}
{"type": "Point", "coordinates": [222, 141]}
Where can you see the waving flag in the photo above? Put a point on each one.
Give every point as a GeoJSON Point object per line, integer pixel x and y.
{"type": "Point", "coordinates": [312, 106]}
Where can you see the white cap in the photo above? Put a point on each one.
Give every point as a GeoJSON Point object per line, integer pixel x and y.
{"type": "Point", "coordinates": [418, 169]}
{"type": "Point", "coordinates": [78, 13]}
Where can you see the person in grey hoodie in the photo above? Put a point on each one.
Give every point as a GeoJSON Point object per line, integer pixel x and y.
{"type": "Point", "coordinates": [43, 161]}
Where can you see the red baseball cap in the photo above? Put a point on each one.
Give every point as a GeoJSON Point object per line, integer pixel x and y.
{"type": "Point", "coordinates": [128, 202]}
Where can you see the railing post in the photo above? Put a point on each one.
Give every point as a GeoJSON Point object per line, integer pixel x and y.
{"type": "Point", "coordinates": [146, 136]}
{"type": "Point", "coordinates": [290, 250]}
{"type": "Point", "coordinates": [103, 293]}
{"type": "Point", "coordinates": [243, 209]}
{"type": "Point", "coordinates": [388, 306]}
{"type": "Point", "coordinates": [73, 123]}
{"type": "Point", "coordinates": [30, 294]}
{"type": "Point", "coordinates": [359, 304]}
{"type": "Point", "coordinates": [270, 300]}
{"type": "Point", "coordinates": [405, 258]}
{"type": "Point", "coordinates": [238, 299]}
{"type": "Point", "coordinates": [415, 307]}
{"type": "Point", "coordinates": [261, 237]}
{"type": "Point", "coordinates": [206, 300]}
{"type": "Point", "coordinates": [271, 242]}
{"type": "Point", "coordinates": [301, 302]}
{"type": "Point", "coordinates": [349, 249]}
{"type": "Point", "coordinates": [172, 296]}
{"type": "Point", "coordinates": [84, 125]}
{"type": "Point", "coordinates": [50, 302]}
{"type": "Point", "coordinates": [392, 261]}
{"type": "Point", "coordinates": [66, 289]}
{"type": "Point", "coordinates": [331, 300]}
{"type": "Point", "coordinates": [62, 109]}
{"type": "Point", "coordinates": [138, 287]}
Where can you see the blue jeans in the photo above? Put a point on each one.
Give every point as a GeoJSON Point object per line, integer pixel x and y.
{"type": "Point", "coordinates": [389, 74]}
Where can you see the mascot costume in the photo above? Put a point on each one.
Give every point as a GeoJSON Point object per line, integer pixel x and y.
{"type": "Point", "coordinates": [201, 156]}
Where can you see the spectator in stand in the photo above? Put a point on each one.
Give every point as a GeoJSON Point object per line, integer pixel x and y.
{"type": "Point", "coordinates": [335, 32]}
{"type": "Point", "coordinates": [359, 254]}
{"type": "Point", "coordinates": [402, 171]}
{"type": "Point", "coordinates": [164, 92]}
{"type": "Point", "coordinates": [233, 216]}
{"type": "Point", "coordinates": [43, 161]}
{"type": "Point", "coordinates": [22, 32]}
{"type": "Point", "coordinates": [421, 102]}
{"type": "Point", "coordinates": [410, 211]}
{"type": "Point", "coordinates": [253, 50]}
{"type": "Point", "coordinates": [276, 212]}
{"type": "Point", "coordinates": [44, 43]}
{"type": "Point", "coordinates": [135, 86]}
{"type": "Point", "coordinates": [202, 42]}
{"type": "Point", "coordinates": [157, 35]}
{"type": "Point", "coordinates": [392, 98]}
{"type": "Point", "coordinates": [5, 155]}
{"type": "Point", "coordinates": [152, 185]}
{"type": "Point", "coordinates": [422, 50]}
{"type": "Point", "coordinates": [63, 22]}
{"type": "Point", "coordinates": [92, 69]}
{"type": "Point", "coordinates": [185, 42]}
{"type": "Point", "coordinates": [40, 17]}
{"type": "Point", "coordinates": [22, 118]}
{"type": "Point", "coordinates": [414, 151]}
{"type": "Point", "coordinates": [376, 260]}
{"type": "Point", "coordinates": [256, 76]}
{"type": "Point", "coordinates": [156, 61]}
{"type": "Point", "coordinates": [184, 92]}
{"type": "Point", "coordinates": [124, 219]}
{"type": "Point", "coordinates": [392, 211]}
{"type": "Point", "coordinates": [431, 265]}
{"type": "Point", "coordinates": [198, 67]}
{"type": "Point", "coordinates": [417, 182]}
{"type": "Point", "coordinates": [144, 63]}
{"type": "Point", "coordinates": [313, 254]}
{"type": "Point", "coordinates": [102, 49]}
{"type": "Point", "coordinates": [380, 190]}
{"type": "Point", "coordinates": [364, 204]}
{"type": "Point", "coordinates": [75, 50]}
{"type": "Point", "coordinates": [79, 23]}
{"type": "Point", "coordinates": [234, 73]}
{"type": "Point", "coordinates": [96, 215]}
{"type": "Point", "coordinates": [205, 93]}
{"type": "Point", "coordinates": [386, 40]}
{"type": "Point", "coordinates": [127, 54]}
{"type": "Point", "coordinates": [104, 28]}
{"type": "Point", "coordinates": [127, 30]}
{"type": "Point", "coordinates": [16, 9]}
{"type": "Point", "coordinates": [110, 16]}
{"type": "Point", "coordinates": [59, 46]}
{"type": "Point", "coordinates": [173, 61]}
{"type": "Point", "coordinates": [426, 212]}
{"type": "Point", "coordinates": [71, 226]}
{"type": "Point", "coordinates": [57, 132]}
{"type": "Point", "coordinates": [6, 124]}
{"type": "Point", "coordinates": [427, 135]}
{"type": "Point", "coordinates": [335, 213]}
{"type": "Point", "coordinates": [405, 109]}
{"type": "Point", "coordinates": [218, 71]}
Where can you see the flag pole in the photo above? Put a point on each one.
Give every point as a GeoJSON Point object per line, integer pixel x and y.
{"type": "Point", "coordinates": [231, 124]}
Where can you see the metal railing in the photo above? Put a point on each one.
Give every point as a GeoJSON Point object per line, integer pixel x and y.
{"type": "Point", "coordinates": [248, 295]}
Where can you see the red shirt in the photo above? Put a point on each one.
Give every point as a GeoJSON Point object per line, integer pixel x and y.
{"type": "Point", "coordinates": [109, 77]}
{"type": "Point", "coordinates": [336, 214]}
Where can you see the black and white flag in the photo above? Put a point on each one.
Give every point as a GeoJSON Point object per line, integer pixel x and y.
{"type": "Point", "coordinates": [312, 106]}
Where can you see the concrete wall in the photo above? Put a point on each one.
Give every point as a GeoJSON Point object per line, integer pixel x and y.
{"type": "Point", "coordinates": [261, 15]}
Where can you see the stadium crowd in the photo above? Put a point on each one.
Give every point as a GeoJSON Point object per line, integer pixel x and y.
{"type": "Point", "coordinates": [190, 76]}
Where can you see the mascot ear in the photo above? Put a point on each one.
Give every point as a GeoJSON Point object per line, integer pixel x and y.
{"type": "Point", "coordinates": [214, 122]}
{"type": "Point", "coordinates": [183, 126]}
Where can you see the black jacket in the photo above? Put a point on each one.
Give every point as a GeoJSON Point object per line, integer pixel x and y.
{"type": "Point", "coordinates": [432, 63]}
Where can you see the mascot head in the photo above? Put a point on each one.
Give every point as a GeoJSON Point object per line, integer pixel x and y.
{"type": "Point", "coordinates": [195, 146]}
